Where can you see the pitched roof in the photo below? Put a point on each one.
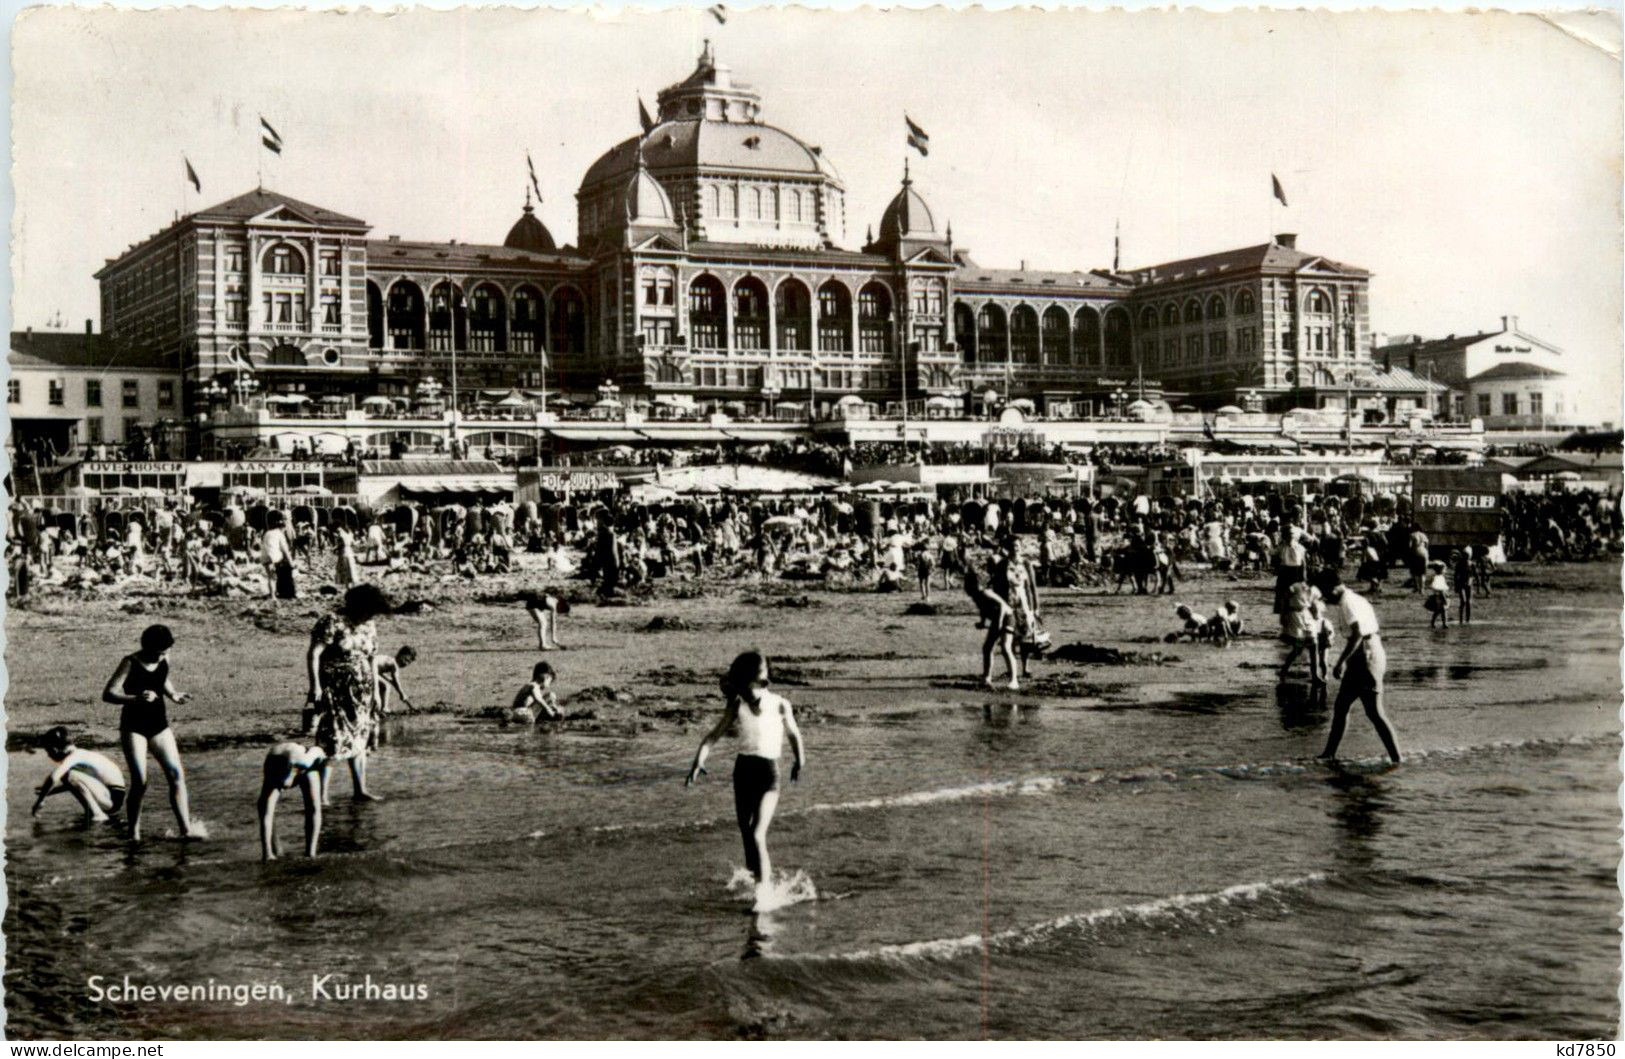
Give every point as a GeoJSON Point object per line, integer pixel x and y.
{"type": "Point", "coordinates": [827, 255]}
{"type": "Point", "coordinates": [384, 254]}
{"type": "Point", "coordinates": [1023, 280]}
{"type": "Point", "coordinates": [73, 349]}
{"type": "Point", "coordinates": [1447, 344]}
{"type": "Point", "coordinates": [253, 203]}
{"type": "Point", "coordinates": [1268, 257]}
{"type": "Point", "coordinates": [1400, 380]}
{"type": "Point", "coordinates": [1516, 369]}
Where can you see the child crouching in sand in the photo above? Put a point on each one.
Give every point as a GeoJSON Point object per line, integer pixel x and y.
{"type": "Point", "coordinates": [287, 765]}
{"type": "Point", "coordinates": [536, 699]}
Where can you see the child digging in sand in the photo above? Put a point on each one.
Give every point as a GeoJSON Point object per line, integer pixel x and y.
{"type": "Point", "coordinates": [536, 699]}
{"type": "Point", "coordinates": [389, 677]}
{"type": "Point", "coordinates": [288, 765]}
{"type": "Point", "coordinates": [91, 778]}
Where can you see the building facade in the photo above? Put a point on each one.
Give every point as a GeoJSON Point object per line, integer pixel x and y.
{"type": "Point", "coordinates": [1510, 379]}
{"type": "Point", "coordinates": [70, 391]}
{"type": "Point", "coordinates": [710, 269]}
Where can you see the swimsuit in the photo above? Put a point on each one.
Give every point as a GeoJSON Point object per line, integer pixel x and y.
{"type": "Point", "coordinates": [754, 777]}
{"type": "Point", "coordinates": [140, 717]}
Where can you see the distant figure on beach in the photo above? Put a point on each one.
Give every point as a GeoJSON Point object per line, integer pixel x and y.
{"type": "Point", "coordinates": [544, 609]}
{"type": "Point", "coordinates": [342, 666]}
{"type": "Point", "coordinates": [92, 778]}
{"type": "Point", "coordinates": [996, 616]}
{"type": "Point", "coordinates": [288, 765]}
{"type": "Point", "coordinates": [762, 721]}
{"type": "Point", "coordinates": [389, 679]}
{"type": "Point", "coordinates": [1438, 606]}
{"type": "Point", "coordinates": [536, 699]}
{"type": "Point", "coordinates": [1301, 629]}
{"type": "Point", "coordinates": [141, 685]}
{"type": "Point", "coordinates": [1362, 666]}
{"type": "Point", "coordinates": [1462, 577]}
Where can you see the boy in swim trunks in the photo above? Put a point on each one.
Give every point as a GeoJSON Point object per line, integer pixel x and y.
{"type": "Point", "coordinates": [91, 778]}
{"type": "Point", "coordinates": [544, 610]}
{"type": "Point", "coordinates": [536, 699]}
{"type": "Point", "coordinates": [389, 676]}
{"type": "Point", "coordinates": [287, 765]}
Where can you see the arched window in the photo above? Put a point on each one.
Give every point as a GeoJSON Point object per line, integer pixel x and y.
{"type": "Point", "coordinates": [750, 314]}
{"type": "Point", "coordinates": [567, 331]}
{"type": "Point", "coordinates": [405, 315]}
{"type": "Point", "coordinates": [965, 331]}
{"type": "Point", "coordinates": [527, 330]}
{"type": "Point", "coordinates": [1170, 316]}
{"type": "Point", "coordinates": [284, 260]}
{"type": "Point", "coordinates": [448, 319]}
{"type": "Point", "coordinates": [487, 321]}
{"type": "Point", "coordinates": [1148, 318]}
{"type": "Point", "coordinates": [770, 204]}
{"type": "Point", "coordinates": [1318, 303]}
{"type": "Point", "coordinates": [375, 316]}
{"type": "Point", "coordinates": [793, 306]}
{"type": "Point", "coordinates": [713, 202]}
{"type": "Point", "coordinates": [730, 202]}
{"type": "Point", "coordinates": [707, 314]}
{"type": "Point", "coordinates": [753, 204]}
{"type": "Point", "coordinates": [1245, 305]}
{"type": "Point", "coordinates": [792, 206]}
{"type": "Point", "coordinates": [874, 318]}
{"type": "Point", "coordinates": [834, 317]}
{"type": "Point", "coordinates": [1024, 334]}
{"type": "Point", "coordinates": [1193, 312]}
{"type": "Point", "coordinates": [1119, 337]}
{"type": "Point", "coordinates": [1215, 308]}
{"type": "Point", "coordinates": [1057, 336]}
{"type": "Point", "coordinates": [1086, 335]}
{"type": "Point", "coordinates": [992, 334]}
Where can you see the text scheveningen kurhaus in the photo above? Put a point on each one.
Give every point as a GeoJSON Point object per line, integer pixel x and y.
{"type": "Point", "coordinates": [323, 987]}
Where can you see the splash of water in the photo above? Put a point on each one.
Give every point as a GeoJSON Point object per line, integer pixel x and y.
{"type": "Point", "coordinates": [780, 891]}
{"type": "Point", "coordinates": [200, 829]}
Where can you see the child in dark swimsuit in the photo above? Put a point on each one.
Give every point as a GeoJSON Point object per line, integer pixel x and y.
{"type": "Point", "coordinates": [141, 685]}
{"type": "Point", "coordinates": [287, 765]}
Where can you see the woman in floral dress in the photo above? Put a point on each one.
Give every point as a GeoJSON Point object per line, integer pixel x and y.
{"type": "Point", "coordinates": [344, 683]}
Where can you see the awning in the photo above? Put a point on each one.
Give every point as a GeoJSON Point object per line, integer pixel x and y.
{"type": "Point", "coordinates": [679, 435]}
{"type": "Point", "coordinates": [432, 484]}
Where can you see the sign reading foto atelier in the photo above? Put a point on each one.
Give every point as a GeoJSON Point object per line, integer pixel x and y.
{"type": "Point", "coordinates": [1455, 506]}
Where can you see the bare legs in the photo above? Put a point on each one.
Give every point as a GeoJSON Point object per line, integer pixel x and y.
{"type": "Point", "coordinates": [1003, 640]}
{"type": "Point", "coordinates": [163, 748]}
{"type": "Point", "coordinates": [547, 629]}
{"type": "Point", "coordinates": [754, 820]}
{"type": "Point", "coordinates": [1371, 698]}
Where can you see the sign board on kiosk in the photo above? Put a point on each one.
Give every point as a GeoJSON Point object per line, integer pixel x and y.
{"type": "Point", "coordinates": [1456, 506]}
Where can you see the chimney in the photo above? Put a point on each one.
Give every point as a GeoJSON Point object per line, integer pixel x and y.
{"type": "Point", "coordinates": [1509, 323]}
{"type": "Point", "coordinates": [1288, 240]}
{"type": "Point", "coordinates": [88, 329]}
{"type": "Point", "coordinates": [1023, 264]}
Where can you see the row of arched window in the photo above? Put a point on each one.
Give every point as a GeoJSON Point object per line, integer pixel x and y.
{"type": "Point", "coordinates": [756, 203]}
{"type": "Point", "coordinates": [990, 335]}
{"type": "Point", "coordinates": [485, 320]}
{"type": "Point", "coordinates": [799, 325]}
{"type": "Point", "coordinates": [1216, 307]}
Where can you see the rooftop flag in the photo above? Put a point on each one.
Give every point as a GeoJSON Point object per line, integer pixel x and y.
{"type": "Point", "coordinates": [191, 174]}
{"type": "Point", "coordinates": [533, 181]}
{"type": "Point", "coordinates": [1275, 185]}
{"type": "Point", "coordinates": [917, 138]}
{"type": "Point", "coordinates": [270, 138]}
{"type": "Point", "coordinates": [644, 119]}
{"type": "Point", "coordinates": [719, 13]}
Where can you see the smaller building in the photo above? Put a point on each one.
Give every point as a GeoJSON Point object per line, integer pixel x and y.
{"type": "Point", "coordinates": [71, 392]}
{"type": "Point", "coordinates": [1510, 379]}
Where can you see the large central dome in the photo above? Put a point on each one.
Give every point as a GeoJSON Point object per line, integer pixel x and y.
{"type": "Point", "coordinates": [732, 178]}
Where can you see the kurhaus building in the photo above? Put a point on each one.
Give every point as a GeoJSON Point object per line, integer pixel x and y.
{"type": "Point", "coordinates": [709, 266]}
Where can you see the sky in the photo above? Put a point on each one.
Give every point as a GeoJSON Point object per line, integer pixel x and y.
{"type": "Point", "coordinates": [1471, 162]}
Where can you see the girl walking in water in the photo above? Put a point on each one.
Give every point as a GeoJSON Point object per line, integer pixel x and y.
{"type": "Point", "coordinates": [761, 720]}
{"type": "Point", "coordinates": [141, 685]}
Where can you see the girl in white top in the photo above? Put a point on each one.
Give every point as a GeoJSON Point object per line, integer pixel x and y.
{"type": "Point", "coordinates": [761, 720]}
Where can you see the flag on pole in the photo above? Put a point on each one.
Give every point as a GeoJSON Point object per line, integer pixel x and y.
{"type": "Point", "coordinates": [1117, 247]}
{"type": "Point", "coordinates": [191, 174]}
{"type": "Point", "coordinates": [270, 137]}
{"type": "Point", "coordinates": [917, 138]}
{"type": "Point", "coordinates": [1275, 185]}
{"type": "Point", "coordinates": [534, 183]}
{"type": "Point", "coordinates": [719, 13]}
{"type": "Point", "coordinates": [644, 119]}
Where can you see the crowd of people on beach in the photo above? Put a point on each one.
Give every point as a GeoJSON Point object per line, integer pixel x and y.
{"type": "Point", "coordinates": [1006, 555]}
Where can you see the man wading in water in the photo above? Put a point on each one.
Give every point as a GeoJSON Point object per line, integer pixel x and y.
{"type": "Point", "coordinates": [1361, 666]}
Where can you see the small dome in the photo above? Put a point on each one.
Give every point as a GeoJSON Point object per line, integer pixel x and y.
{"type": "Point", "coordinates": [908, 217]}
{"type": "Point", "coordinates": [529, 233]}
{"type": "Point", "coordinates": [647, 202]}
